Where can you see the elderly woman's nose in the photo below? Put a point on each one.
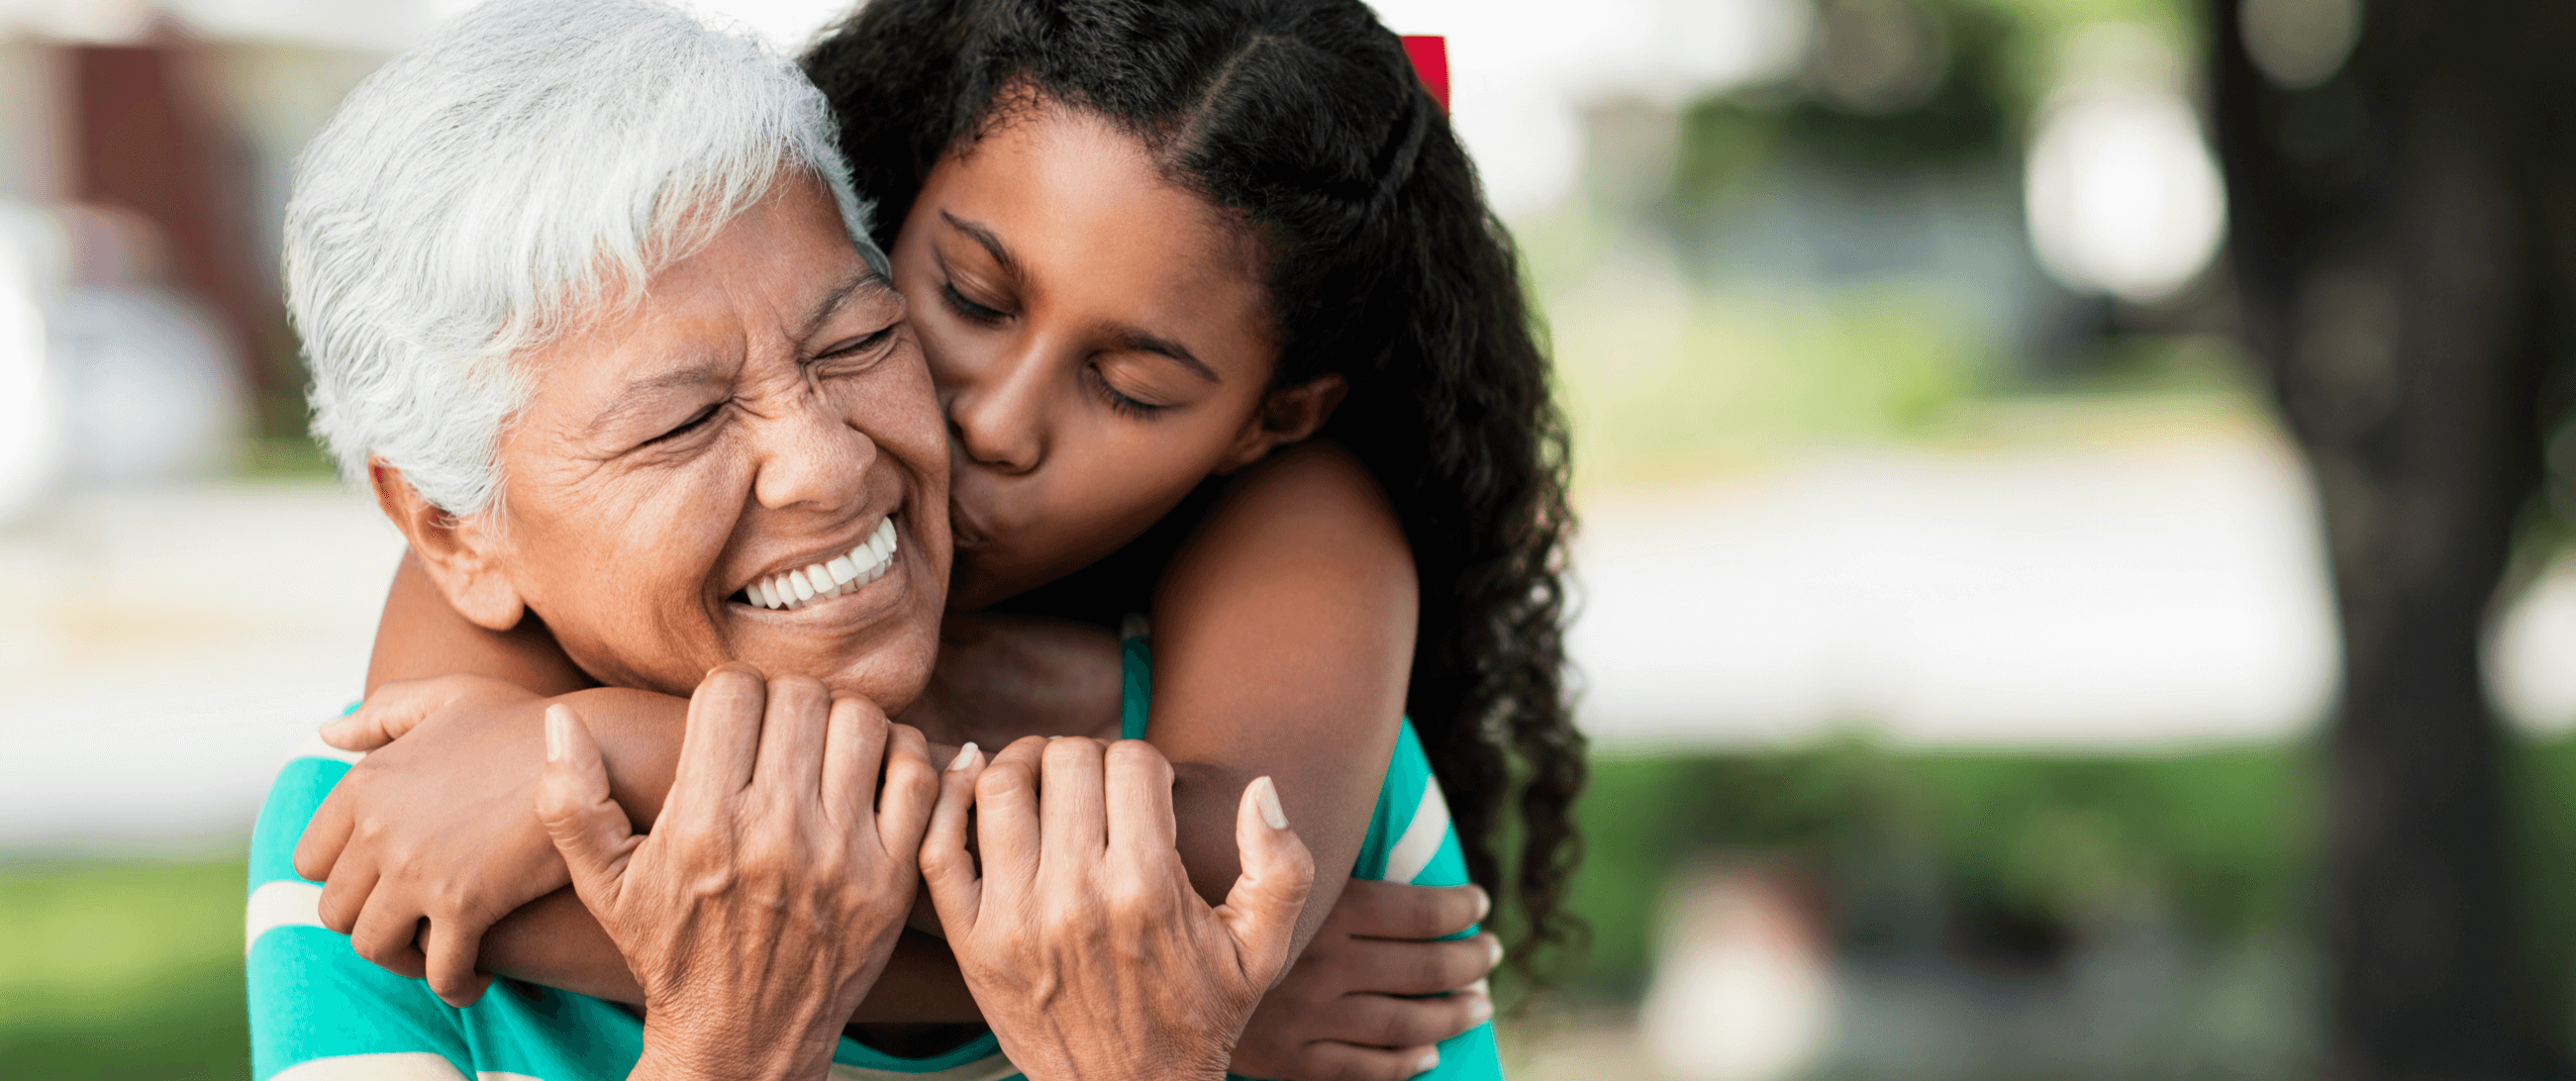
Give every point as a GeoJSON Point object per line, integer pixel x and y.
{"type": "Point", "coordinates": [814, 455]}
{"type": "Point", "coordinates": [999, 418]}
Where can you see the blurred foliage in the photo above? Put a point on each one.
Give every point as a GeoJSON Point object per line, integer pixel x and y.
{"type": "Point", "coordinates": [1824, 259]}
{"type": "Point", "coordinates": [1750, 374]}
{"type": "Point", "coordinates": [1917, 850]}
{"type": "Point", "coordinates": [1971, 114]}
{"type": "Point", "coordinates": [122, 969]}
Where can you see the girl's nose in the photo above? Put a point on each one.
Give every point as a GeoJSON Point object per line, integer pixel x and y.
{"type": "Point", "coordinates": [998, 419]}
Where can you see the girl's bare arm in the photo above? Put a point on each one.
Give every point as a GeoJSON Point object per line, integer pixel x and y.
{"type": "Point", "coordinates": [1283, 642]}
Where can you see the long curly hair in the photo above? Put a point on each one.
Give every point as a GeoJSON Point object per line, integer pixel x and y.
{"type": "Point", "coordinates": [1305, 118]}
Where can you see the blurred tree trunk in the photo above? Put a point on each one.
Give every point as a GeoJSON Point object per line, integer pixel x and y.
{"type": "Point", "coordinates": [2397, 236]}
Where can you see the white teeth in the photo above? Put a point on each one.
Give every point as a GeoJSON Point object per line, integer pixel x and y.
{"type": "Point", "coordinates": [830, 578]}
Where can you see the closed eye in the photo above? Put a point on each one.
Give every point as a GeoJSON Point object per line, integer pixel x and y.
{"type": "Point", "coordinates": [855, 346]}
{"type": "Point", "coordinates": [1118, 400]}
{"type": "Point", "coordinates": [967, 309]}
{"type": "Point", "coordinates": [689, 425]}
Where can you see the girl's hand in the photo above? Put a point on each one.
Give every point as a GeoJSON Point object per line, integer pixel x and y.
{"type": "Point", "coordinates": [428, 841]}
{"type": "Point", "coordinates": [771, 891]}
{"type": "Point", "coordinates": [1350, 1008]}
{"type": "Point", "coordinates": [1082, 940]}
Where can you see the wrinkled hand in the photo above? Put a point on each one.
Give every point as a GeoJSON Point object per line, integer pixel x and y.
{"type": "Point", "coordinates": [771, 890]}
{"type": "Point", "coordinates": [1350, 1008]}
{"type": "Point", "coordinates": [428, 841]}
{"type": "Point", "coordinates": [1081, 939]}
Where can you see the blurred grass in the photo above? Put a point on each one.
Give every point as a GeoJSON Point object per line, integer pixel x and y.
{"type": "Point", "coordinates": [122, 969]}
{"type": "Point", "coordinates": [132, 969]}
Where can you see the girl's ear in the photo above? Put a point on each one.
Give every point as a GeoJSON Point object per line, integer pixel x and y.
{"type": "Point", "coordinates": [1288, 415]}
{"type": "Point", "coordinates": [462, 556]}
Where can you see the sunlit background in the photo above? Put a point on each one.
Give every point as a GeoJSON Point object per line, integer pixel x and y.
{"type": "Point", "coordinates": [1953, 615]}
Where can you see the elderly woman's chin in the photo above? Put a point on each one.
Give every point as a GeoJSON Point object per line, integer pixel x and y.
{"type": "Point", "coordinates": [746, 463]}
{"type": "Point", "coordinates": [861, 616]}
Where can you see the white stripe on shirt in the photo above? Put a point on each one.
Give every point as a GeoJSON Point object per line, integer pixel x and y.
{"type": "Point", "coordinates": [284, 903]}
{"type": "Point", "coordinates": [398, 1066]}
{"type": "Point", "coordinates": [1422, 836]}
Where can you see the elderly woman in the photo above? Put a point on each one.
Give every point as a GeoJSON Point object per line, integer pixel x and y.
{"type": "Point", "coordinates": [524, 257]}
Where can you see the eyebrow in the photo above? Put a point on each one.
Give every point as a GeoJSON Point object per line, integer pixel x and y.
{"type": "Point", "coordinates": [632, 397]}
{"type": "Point", "coordinates": [1127, 337]}
{"type": "Point", "coordinates": [991, 244]}
{"type": "Point", "coordinates": [839, 298]}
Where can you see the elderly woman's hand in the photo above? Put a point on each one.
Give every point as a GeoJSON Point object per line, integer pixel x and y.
{"type": "Point", "coordinates": [771, 891]}
{"type": "Point", "coordinates": [1081, 938]}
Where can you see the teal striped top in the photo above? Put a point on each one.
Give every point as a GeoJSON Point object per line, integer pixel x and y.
{"type": "Point", "coordinates": [320, 1012]}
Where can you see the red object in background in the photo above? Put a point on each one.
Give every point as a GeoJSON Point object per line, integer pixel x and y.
{"type": "Point", "coordinates": [145, 140]}
{"type": "Point", "coordinates": [1430, 55]}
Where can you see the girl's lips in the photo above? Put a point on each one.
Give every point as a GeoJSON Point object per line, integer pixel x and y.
{"type": "Point", "coordinates": [963, 533]}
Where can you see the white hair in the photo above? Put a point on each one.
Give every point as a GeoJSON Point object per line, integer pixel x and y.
{"type": "Point", "coordinates": [522, 172]}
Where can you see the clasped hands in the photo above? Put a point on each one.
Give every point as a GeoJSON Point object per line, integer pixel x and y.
{"type": "Point", "coordinates": [772, 888]}
{"type": "Point", "coordinates": [430, 840]}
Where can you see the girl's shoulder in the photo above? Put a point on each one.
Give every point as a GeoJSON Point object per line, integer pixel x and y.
{"type": "Point", "coordinates": [1317, 472]}
{"type": "Point", "coordinates": [1305, 530]}
{"type": "Point", "coordinates": [1302, 495]}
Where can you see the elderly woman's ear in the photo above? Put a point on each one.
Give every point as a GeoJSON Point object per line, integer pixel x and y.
{"type": "Point", "coordinates": [465, 557]}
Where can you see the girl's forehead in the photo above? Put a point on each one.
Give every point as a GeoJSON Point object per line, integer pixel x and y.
{"type": "Point", "coordinates": [1073, 164]}
{"type": "Point", "coordinates": [1066, 206]}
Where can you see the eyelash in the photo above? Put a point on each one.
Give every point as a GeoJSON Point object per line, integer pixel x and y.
{"type": "Point", "coordinates": [966, 309]}
{"type": "Point", "coordinates": [983, 316]}
{"type": "Point", "coordinates": [690, 425]}
{"type": "Point", "coordinates": [1125, 405]}
{"type": "Point", "coordinates": [863, 345]}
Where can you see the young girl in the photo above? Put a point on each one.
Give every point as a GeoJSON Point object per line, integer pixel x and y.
{"type": "Point", "coordinates": [1225, 333]}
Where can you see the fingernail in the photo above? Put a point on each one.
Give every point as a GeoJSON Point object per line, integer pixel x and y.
{"type": "Point", "coordinates": [1484, 987]}
{"type": "Point", "coordinates": [1484, 904]}
{"type": "Point", "coordinates": [558, 729]}
{"type": "Point", "coordinates": [1480, 1011]}
{"type": "Point", "coordinates": [963, 754]}
{"type": "Point", "coordinates": [1267, 795]}
{"type": "Point", "coordinates": [1430, 1059]}
{"type": "Point", "coordinates": [1494, 949]}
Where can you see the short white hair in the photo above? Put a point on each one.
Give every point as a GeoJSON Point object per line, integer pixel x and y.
{"type": "Point", "coordinates": [522, 172]}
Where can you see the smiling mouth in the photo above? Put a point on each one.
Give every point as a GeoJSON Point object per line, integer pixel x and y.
{"type": "Point", "coordinates": [809, 586]}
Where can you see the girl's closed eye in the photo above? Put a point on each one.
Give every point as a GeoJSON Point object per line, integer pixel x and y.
{"type": "Point", "coordinates": [968, 310]}
{"type": "Point", "coordinates": [1126, 404]}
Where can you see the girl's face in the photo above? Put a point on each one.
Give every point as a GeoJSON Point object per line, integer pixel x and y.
{"type": "Point", "coordinates": [1099, 337]}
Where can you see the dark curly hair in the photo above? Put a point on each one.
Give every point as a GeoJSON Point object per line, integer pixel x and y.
{"type": "Point", "coordinates": [1305, 118]}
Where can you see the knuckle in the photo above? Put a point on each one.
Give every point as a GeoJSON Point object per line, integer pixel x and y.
{"type": "Point", "coordinates": [1140, 757]}
{"type": "Point", "coordinates": [799, 689]}
{"type": "Point", "coordinates": [733, 683]}
{"type": "Point", "coordinates": [1131, 896]}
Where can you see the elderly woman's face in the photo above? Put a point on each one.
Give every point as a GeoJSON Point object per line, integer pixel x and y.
{"type": "Point", "coordinates": [764, 410]}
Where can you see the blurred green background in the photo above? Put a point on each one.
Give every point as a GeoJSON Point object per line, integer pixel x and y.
{"type": "Point", "coordinates": [1954, 621]}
